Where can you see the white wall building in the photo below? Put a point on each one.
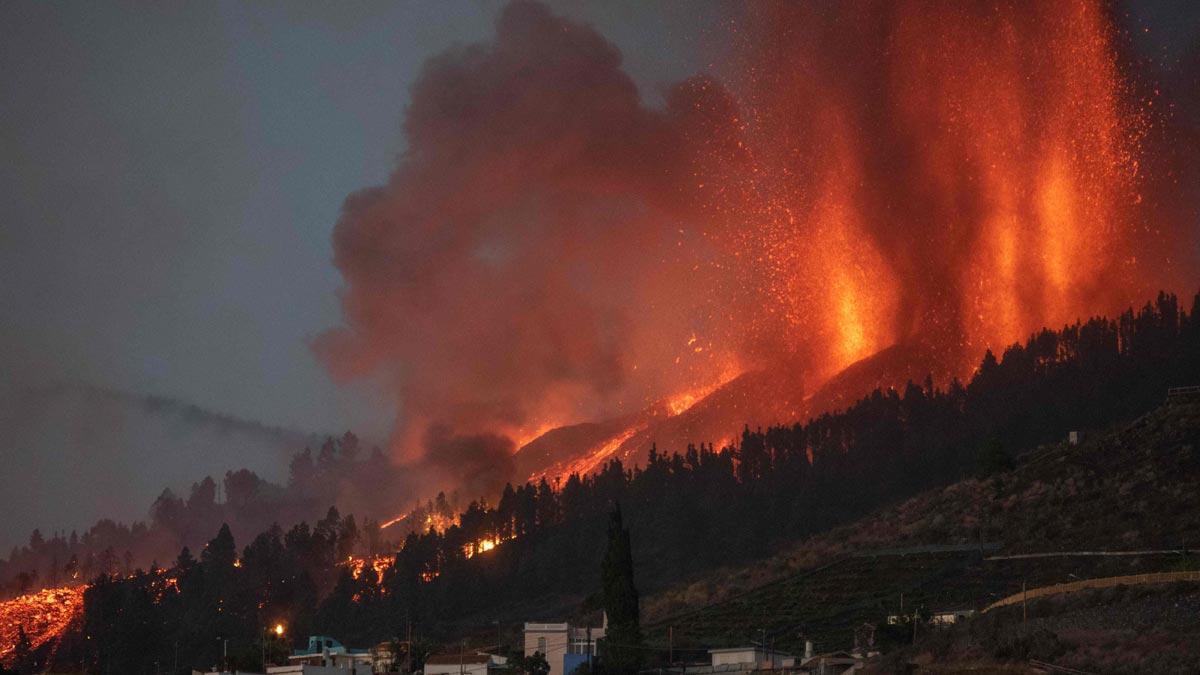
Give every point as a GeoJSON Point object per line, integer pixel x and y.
{"type": "Point", "coordinates": [564, 646]}
{"type": "Point", "coordinates": [749, 658]}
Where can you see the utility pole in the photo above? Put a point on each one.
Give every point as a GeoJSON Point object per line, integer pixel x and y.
{"type": "Point", "coordinates": [408, 652]}
{"type": "Point", "coordinates": [671, 645]}
{"type": "Point", "coordinates": [1024, 611]}
{"type": "Point", "coordinates": [589, 639]}
{"type": "Point", "coordinates": [462, 655]}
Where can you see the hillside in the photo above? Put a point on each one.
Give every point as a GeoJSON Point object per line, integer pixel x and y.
{"type": "Point", "coordinates": [869, 477]}
{"type": "Point", "coordinates": [766, 396]}
{"type": "Point", "coordinates": [1125, 629]}
{"type": "Point", "coordinates": [1130, 489]}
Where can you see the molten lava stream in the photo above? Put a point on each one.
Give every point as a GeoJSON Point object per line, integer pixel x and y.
{"type": "Point", "coordinates": [45, 616]}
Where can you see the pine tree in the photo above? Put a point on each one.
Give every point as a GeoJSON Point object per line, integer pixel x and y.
{"type": "Point", "coordinates": [623, 641]}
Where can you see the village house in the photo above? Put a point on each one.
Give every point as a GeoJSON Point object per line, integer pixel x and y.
{"type": "Point", "coordinates": [564, 646]}
{"type": "Point", "coordinates": [950, 616]}
{"type": "Point", "coordinates": [474, 663]}
{"type": "Point", "coordinates": [749, 658]}
{"type": "Point", "coordinates": [326, 656]}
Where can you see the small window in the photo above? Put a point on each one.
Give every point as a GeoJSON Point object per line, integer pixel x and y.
{"type": "Point", "coordinates": [542, 645]}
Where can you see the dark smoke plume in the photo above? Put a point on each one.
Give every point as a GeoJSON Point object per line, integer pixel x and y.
{"type": "Point", "coordinates": [521, 266]}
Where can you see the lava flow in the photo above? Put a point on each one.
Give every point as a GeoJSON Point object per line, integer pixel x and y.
{"type": "Point", "coordinates": [44, 616]}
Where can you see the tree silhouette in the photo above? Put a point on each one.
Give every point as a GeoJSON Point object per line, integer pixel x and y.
{"type": "Point", "coordinates": [622, 643]}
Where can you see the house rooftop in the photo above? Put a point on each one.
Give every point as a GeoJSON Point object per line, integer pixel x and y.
{"type": "Point", "coordinates": [454, 659]}
{"type": "Point", "coordinates": [545, 625]}
{"type": "Point", "coordinates": [319, 644]}
{"type": "Point", "coordinates": [730, 650]}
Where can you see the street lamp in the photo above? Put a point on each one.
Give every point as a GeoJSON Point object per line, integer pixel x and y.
{"type": "Point", "coordinates": [224, 653]}
{"type": "Point", "coordinates": [278, 631]}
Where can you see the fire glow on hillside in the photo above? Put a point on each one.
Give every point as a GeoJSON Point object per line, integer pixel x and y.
{"type": "Point", "coordinates": [859, 176]}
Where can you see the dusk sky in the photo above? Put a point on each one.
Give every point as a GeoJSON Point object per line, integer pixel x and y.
{"type": "Point", "coordinates": [170, 181]}
{"type": "Point", "coordinates": [172, 178]}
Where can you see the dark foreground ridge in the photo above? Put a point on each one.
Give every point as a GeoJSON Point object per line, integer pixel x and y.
{"type": "Point", "coordinates": [1064, 514]}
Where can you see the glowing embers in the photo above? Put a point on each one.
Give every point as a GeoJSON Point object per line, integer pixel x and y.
{"type": "Point", "coordinates": [44, 616]}
{"type": "Point", "coordinates": [378, 564]}
{"type": "Point", "coordinates": [431, 521]}
{"type": "Point", "coordinates": [482, 546]}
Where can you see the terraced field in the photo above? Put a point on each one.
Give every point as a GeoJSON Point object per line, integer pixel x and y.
{"type": "Point", "coordinates": [827, 603]}
{"type": "Point", "coordinates": [1132, 489]}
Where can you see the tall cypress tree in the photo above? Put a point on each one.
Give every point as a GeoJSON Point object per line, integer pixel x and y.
{"type": "Point", "coordinates": [621, 647]}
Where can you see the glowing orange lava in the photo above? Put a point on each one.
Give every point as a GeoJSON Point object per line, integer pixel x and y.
{"type": "Point", "coordinates": [590, 462]}
{"type": "Point", "coordinates": [45, 616]}
{"type": "Point", "coordinates": [683, 401]}
{"type": "Point", "coordinates": [957, 175]}
{"type": "Point", "coordinates": [482, 546]}
{"type": "Point", "coordinates": [432, 521]}
{"type": "Point", "coordinates": [379, 564]}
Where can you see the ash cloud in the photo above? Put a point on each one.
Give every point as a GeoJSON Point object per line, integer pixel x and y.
{"type": "Point", "coordinates": [510, 272]}
{"type": "Point", "coordinates": [478, 464]}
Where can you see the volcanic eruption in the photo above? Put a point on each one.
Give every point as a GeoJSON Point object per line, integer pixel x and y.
{"type": "Point", "coordinates": [879, 189]}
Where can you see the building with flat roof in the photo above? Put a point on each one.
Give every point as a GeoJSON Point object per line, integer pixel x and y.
{"type": "Point", "coordinates": [326, 656]}
{"type": "Point", "coordinates": [476, 663]}
{"type": "Point", "coordinates": [565, 646]}
{"type": "Point", "coordinates": [749, 658]}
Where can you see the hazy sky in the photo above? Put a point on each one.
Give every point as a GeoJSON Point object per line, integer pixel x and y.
{"type": "Point", "coordinates": [170, 177]}
{"type": "Point", "coordinates": [172, 174]}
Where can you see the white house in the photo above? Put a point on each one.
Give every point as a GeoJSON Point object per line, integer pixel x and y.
{"type": "Point", "coordinates": [750, 658]}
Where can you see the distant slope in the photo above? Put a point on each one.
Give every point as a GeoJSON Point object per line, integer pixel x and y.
{"type": "Point", "coordinates": [99, 452]}
{"type": "Point", "coordinates": [1130, 489]}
